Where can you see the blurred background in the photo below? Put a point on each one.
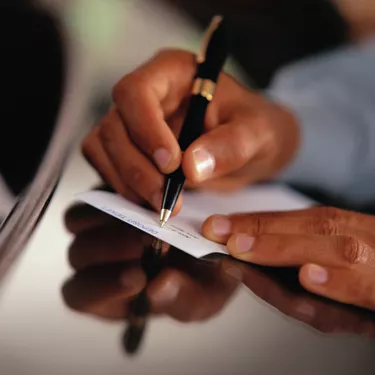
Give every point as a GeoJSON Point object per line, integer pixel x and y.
{"type": "Point", "coordinates": [45, 107]}
{"type": "Point", "coordinates": [114, 36]}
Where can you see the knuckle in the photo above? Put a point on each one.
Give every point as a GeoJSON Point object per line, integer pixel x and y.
{"type": "Point", "coordinates": [326, 221]}
{"type": "Point", "coordinates": [355, 251]}
{"type": "Point", "coordinates": [106, 130]}
{"type": "Point", "coordinates": [259, 225]}
{"type": "Point", "coordinates": [324, 226]}
{"type": "Point", "coordinates": [117, 91]}
{"type": "Point", "coordinates": [127, 87]}
{"type": "Point", "coordinates": [330, 213]}
{"type": "Point", "coordinates": [120, 89]}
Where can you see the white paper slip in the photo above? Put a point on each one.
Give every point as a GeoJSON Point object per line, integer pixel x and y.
{"type": "Point", "coordinates": [176, 232]}
{"type": "Point", "coordinates": [183, 232]}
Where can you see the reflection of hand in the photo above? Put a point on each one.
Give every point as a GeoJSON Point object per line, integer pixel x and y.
{"type": "Point", "coordinates": [106, 253]}
{"type": "Point", "coordinates": [324, 315]}
{"type": "Point", "coordinates": [106, 256]}
{"type": "Point", "coordinates": [334, 248]}
{"type": "Point", "coordinates": [246, 137]}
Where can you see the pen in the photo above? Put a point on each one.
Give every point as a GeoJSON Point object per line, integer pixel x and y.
{"type": "Point", "coordinates": [140, 307]}
{"type": "Point", "coordinates": [210, 63]}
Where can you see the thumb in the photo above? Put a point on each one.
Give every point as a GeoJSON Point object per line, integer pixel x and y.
{"type": "Point", "coordinates": [224, 150]}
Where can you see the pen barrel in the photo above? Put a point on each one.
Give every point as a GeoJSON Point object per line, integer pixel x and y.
{"type": "Point", "coordinates": [191, 130]}
{"type": "Point", "coordinates": [208, 70]}
{"type": "Point", "coordinates": [173, 187]}
{"type": "Point", "coordinates": [194, 121]}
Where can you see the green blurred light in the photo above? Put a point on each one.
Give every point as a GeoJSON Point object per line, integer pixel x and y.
{"type": "Point", "coordinates": [96, 22]}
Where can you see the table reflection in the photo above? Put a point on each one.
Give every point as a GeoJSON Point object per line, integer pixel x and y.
{"type": "Point", "coordinates": [119, 276]}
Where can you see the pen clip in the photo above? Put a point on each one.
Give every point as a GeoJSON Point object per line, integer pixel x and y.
{"type": "Point", "coordinates": [206, 40]}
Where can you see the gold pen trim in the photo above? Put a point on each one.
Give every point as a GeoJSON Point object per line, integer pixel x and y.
{"type": "Point", "coordinates": [205, 88]}
{"type": "Point", "coordinates": [206, 40]}
{"type": "Point", "coordinates": [197, 86]}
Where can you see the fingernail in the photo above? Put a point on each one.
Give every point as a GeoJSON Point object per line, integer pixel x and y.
{"type": "Point", "coordinates": [244, 243]}
{"type": "Point", "coordinates": [131, 278]}
{"type": "Point", "coordinates": [166, 293]}
{"type": "Point", "coordinates": [221, 226]}
{"type": "Point", "coordinates": [306, 309]}
{"type": "Point", "coordinates": [162, 158]}
{"type": "Point", "coordinates": [204, 163]}
{"type": "Point", "coordinates": [317, 274]}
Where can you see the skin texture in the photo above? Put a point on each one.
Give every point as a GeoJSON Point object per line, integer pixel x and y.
{"type": "Point", "coordinates": [246, 138]}
{"type": "Point", "coordinates": [107, 276]}
{"type": "Point", "coordinates": [333, 249]}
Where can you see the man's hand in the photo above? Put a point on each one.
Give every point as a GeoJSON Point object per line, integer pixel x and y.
{"type": "Point", "coordinates": [245, 139]}
{"type": "Point", "coordinates": [108, 273]}
{"type": "Point", "coordinates": [334, 249]}
{"type": "Point", "coordinates": [108, 276]}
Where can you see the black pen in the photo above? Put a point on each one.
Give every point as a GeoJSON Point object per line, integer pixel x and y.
{"type": "Point", "coordinates": [139, 309]}
{"type": "Point", "coordinates": [210, 63]}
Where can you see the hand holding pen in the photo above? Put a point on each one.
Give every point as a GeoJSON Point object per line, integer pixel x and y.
{"type": "Point", "coordinates": [109, 277]}
{"type": "Point", "coordinates": [210, 62]}
{"type": "Point", "coordinates": [243, 137]}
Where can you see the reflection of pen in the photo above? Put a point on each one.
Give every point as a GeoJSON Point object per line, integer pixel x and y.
{"type": "Point", "coordinates": [210, 62]}
{"type": "Point", "coordinates": [140, 306]}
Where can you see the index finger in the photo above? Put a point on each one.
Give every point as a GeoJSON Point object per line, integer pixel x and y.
{"type": "Point", "coordinates": [151, 94]}
{"type": "Point", "coordinates": [322, 221]}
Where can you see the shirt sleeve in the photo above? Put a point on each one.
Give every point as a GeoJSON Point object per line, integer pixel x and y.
{"type": "Point", "coordinates": [333, 98]}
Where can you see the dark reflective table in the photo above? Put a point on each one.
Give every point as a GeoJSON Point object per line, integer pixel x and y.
{"type": "Point", "coordinates": [89, 296]}
{"type": "Point", "coordinates": [225, 315]}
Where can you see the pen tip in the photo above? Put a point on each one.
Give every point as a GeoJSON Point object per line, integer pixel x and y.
{"type": "Point", "coordinates": [164, 216]}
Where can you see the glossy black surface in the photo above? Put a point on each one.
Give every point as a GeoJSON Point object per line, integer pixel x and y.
{"type": "Point", "coordinates": [65, 310]}
{"type": "Point", "coordinates": [317, 335]}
